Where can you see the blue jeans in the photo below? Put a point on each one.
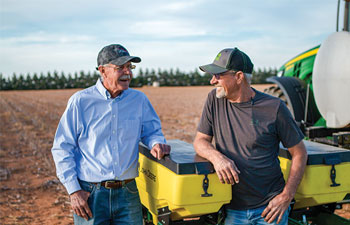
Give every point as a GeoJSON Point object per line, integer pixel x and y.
{"type": "Point", "coordinates": [112, 206]}
{"type": "Point", "coordinates": [252, 217]}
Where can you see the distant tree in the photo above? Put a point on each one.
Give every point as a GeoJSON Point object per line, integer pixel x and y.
{"type": "Point", "coordinates": [14, 82]}
{"type": "Point", "coordinates": [55, 82]}
{"type": "Point", "coordinates": [96, 75]}
{"type": "Point", "coordinates": [9, 83]}
{"type": "Point", "coordinates": [260, 76]}
{"type": "Point", "coordinates": [4, 84]}
{"type": "Point", "coordinates": [147, 77]}
{"type": "Point", "coordinates": [75, 80]}
{"type": "Point", "coordinates": [137, 79]}
{"type": "Point", "coordinates": [81, 83]}
{"type": "Point", "coordinates": [42, 81]}
{"type": "Point", "coordinates": [70, 81]}
{"type": "Point", "coordinates": [61, 81]}
{"type": "Point", "coordinates": [50, 82]}
{"type": "Point", "coordinates": [140, 73]}
{"type": "Point", "coordinates": [28, 83]}
{"type": "Point", "coordinates": [35, 82]}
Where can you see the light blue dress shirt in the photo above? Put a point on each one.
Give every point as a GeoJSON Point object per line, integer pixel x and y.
{"type": "Point", "coordinates": [97, 137]}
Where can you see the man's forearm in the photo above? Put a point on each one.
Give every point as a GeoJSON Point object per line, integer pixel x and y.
{"type": "Point", "coordinates": [298, 164]}
{"type": "Point", "coordinates": [225, 168]}
{"type": "Point", "coordinates": [204, 148]}
{"type": "Point", "coordinates": [280, 203]}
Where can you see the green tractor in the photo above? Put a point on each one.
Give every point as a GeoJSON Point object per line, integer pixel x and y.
{"type": "Point", "coordinates": [293, 80]}
{"type": "Point", "coordinates": [295, 86]}
{"type": "Point", "coordinates": [315, 85]}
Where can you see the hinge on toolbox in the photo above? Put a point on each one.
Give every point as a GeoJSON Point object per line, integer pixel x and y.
{"type": "Point", "coordinates": [164, 216]}
{"type": "Point", "coordinates": [333, 160]}
{"type": "Point", "coordinates": [333, 175]}
{"type": "Point", "coordinates": [206, 186]}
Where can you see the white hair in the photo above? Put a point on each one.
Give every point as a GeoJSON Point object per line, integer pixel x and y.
{"type": "Point", "coordinates": [248, 77]}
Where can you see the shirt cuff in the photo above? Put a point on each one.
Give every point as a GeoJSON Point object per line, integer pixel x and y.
{"type": "Point", "coordinates": [153, 143]}
{"type": "Point", "coordinates": [72, 186]}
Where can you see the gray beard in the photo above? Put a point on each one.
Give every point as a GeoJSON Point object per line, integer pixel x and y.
{"type": "Point", "coordinates": [220, 92]}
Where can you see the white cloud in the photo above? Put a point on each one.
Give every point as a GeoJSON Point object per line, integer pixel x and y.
{"type": "Point", "coordinates": [37, 57]}
{"type": "Point", "coordinates": [179, 5]}
{"type": "Point", "coordinates": [44, 37]}
{"type": "Point", "coordinates": [36, 36]}
{"type": "Point", "coordinates": [165, 29]}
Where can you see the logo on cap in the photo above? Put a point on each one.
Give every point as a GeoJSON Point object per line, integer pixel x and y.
{"type": "Point", "coordinates": [217, 58]}
{"type": "Point", "coordinates": [122, 52]}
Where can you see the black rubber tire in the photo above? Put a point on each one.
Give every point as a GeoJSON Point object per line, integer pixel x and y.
{"type": "Point", "coordinates": [278, 93]}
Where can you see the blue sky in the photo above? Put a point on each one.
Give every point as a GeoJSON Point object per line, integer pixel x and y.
{"type": "Point", "coordinates": [41, 36]}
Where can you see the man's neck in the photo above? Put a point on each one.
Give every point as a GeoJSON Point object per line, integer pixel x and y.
{"type": "Point", "coordinates": [113, 92]}
{"type": "Point", "coordinates": [244, 94]}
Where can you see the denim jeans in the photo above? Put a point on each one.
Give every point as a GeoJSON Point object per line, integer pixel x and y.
{"type": "Point", "coordinates": [112, 206]}
{"type": "Point", "coordinates": [252, 217]}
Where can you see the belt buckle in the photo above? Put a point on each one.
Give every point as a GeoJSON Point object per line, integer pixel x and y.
{"type": "Point", "coordinates": [109, 182]}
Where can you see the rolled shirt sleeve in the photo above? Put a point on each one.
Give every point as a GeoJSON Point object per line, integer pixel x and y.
{"type": "Point", "coordinates": [65, 143]}
{"type": "Point", "coordinates": [151, 133]}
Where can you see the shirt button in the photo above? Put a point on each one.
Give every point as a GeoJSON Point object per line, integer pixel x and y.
{"type": "Point", "coordinates": [113, 115]}
{"type": "Point", "coordinates": [113, 131]}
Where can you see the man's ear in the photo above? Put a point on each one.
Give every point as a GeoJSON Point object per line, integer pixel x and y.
{"type": "Point", "coordinates": [240, 77]}
{"type": "Point", "coordinates": [101, 69]}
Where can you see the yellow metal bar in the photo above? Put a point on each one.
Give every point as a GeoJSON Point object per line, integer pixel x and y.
{"type": "Point", "coordinates": [303, 56]}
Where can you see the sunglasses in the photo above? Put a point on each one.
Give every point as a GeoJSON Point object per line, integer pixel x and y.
{"type": "Point", "coordinates": [218, 75]}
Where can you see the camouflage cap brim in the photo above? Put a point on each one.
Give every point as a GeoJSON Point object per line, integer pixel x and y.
{"type": "Point", "coordinates": [124, 59]}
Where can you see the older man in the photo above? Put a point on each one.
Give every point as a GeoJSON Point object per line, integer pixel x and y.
{"type": "Point", "coordinates": [248, 126]}
{"type": "Point", "coordinates": [96, 143]}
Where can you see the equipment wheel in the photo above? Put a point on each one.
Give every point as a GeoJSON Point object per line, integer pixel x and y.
{"type": "Point", "coordinates": [278, 93]}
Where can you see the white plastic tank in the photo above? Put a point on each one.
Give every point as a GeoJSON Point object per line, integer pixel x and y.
{"type": "Point", "coordinates": [331, 79]}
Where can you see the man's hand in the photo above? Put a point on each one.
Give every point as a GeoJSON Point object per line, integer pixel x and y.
{"type": "Point", "coordinates": [79, 204]}
{"type": "Point", "coordinates": [160, 150]}
{"type": "Point", "coordinates": [279, 204]}
{"type": "Point", "coordinates": [226, 169]}
{"type": "Point", "coordinates": [276, 208]}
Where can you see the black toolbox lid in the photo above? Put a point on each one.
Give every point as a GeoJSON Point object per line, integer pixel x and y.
{"type": "Point", "coordinates": [182, 159]}
{"type": "Point", "coordinates": [320, 154]}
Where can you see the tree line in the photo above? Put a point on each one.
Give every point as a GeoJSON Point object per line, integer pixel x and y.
{"type": "Point", "coordinates": [56, 80]}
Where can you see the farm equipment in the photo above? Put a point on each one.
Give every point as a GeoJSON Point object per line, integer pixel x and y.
{"type": "Point", "coordinates": [315, 87]}
{"type": "Point", "coordinates": [183, 188]}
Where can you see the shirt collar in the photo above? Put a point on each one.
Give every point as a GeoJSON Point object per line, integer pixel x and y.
{"type": "Point", "coordinates": [104, 92]}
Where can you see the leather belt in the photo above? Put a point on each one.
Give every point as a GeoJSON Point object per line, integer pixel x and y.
{"type": "Point", "coordinates": [114, 184]}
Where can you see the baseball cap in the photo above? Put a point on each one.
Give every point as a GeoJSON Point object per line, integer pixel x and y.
{"type": "Point", "coordinates": [229, 59]}
{"type": "Point", "coordinates": [115, 54]}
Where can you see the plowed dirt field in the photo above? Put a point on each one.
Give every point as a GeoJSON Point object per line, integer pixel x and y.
{"type": "Point", "coordinates": [29, 190]}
